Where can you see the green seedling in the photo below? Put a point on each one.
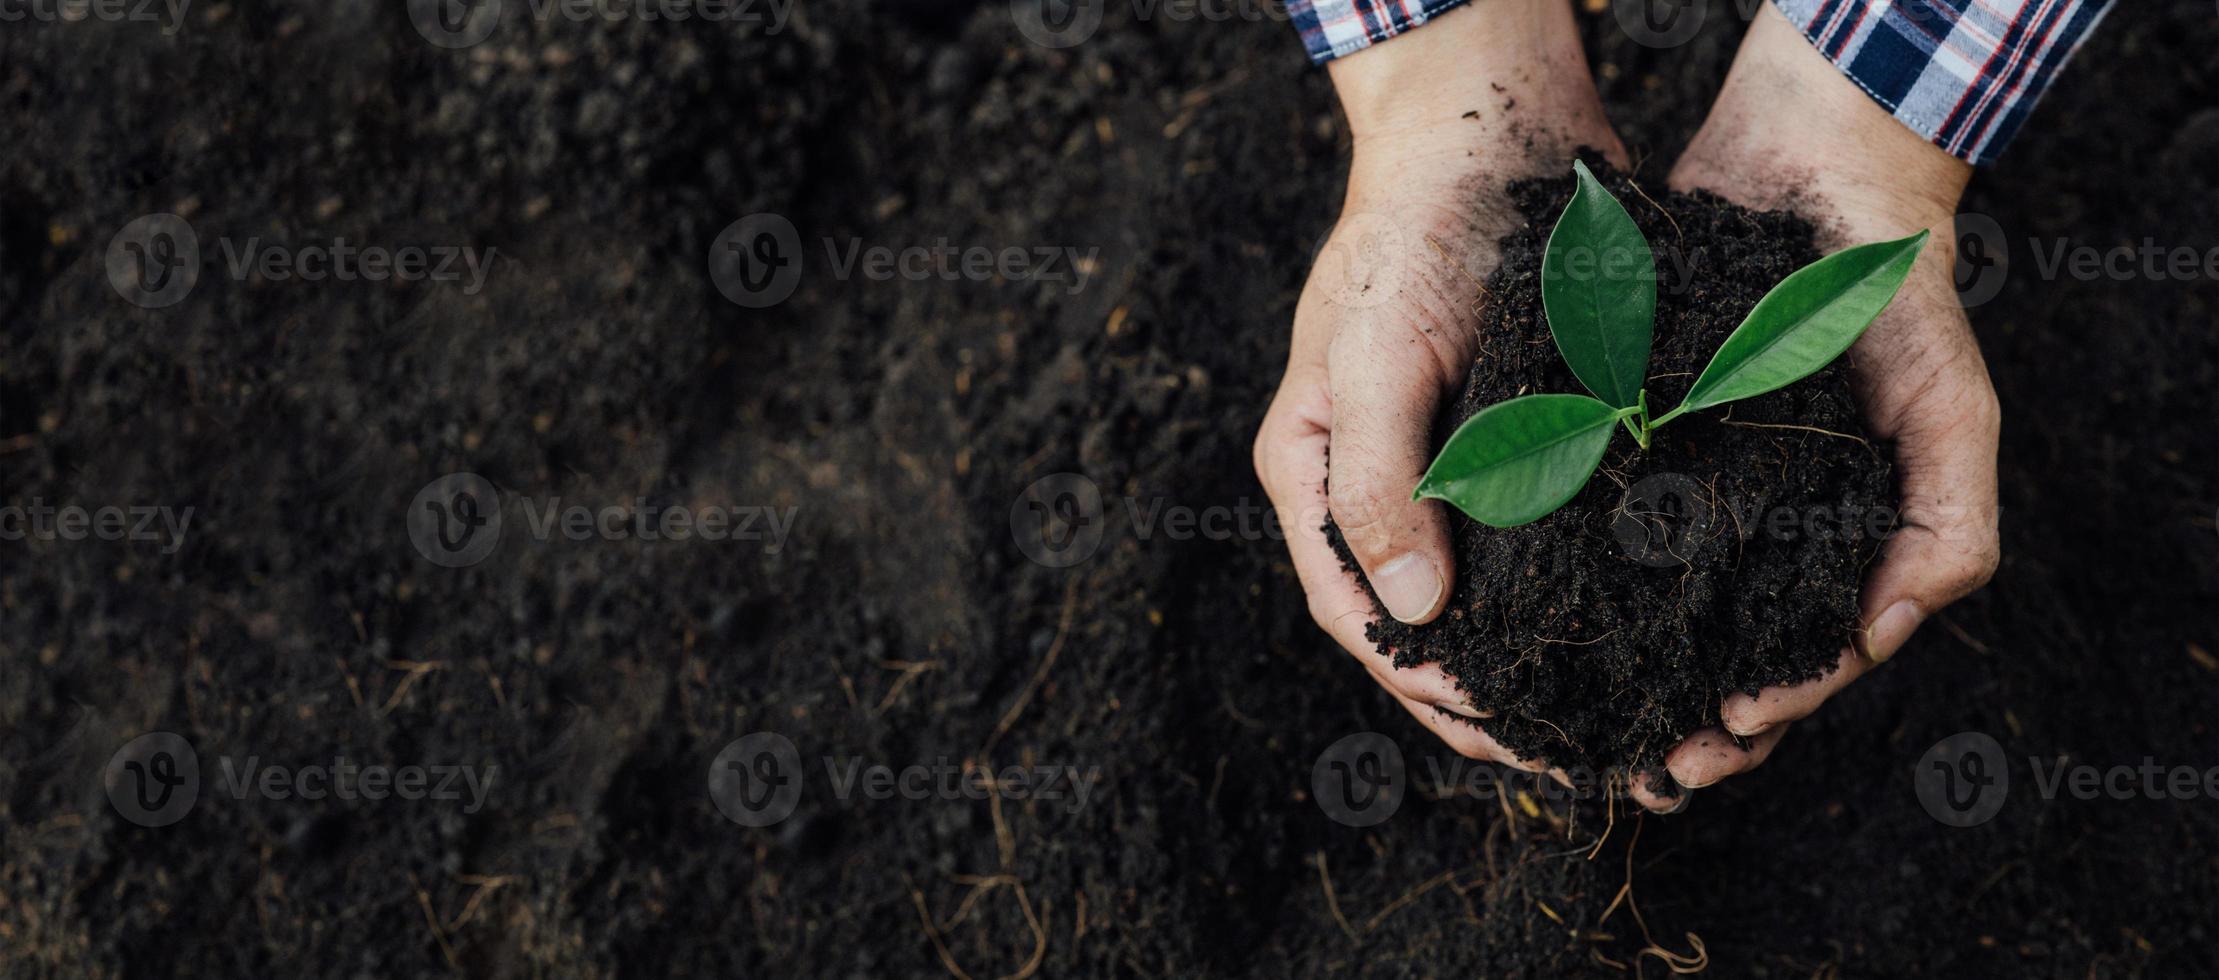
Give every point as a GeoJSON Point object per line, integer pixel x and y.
{"type": "Point", "coordinates": [1518, 461]}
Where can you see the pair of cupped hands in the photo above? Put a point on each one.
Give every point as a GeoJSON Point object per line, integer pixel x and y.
{"type": "Point", "coordinates": [1442, 119]}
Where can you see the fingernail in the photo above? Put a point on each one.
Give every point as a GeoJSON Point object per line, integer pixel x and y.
{"type": "Point", "coordinates": [1460, 708]}
{"type": "Point", "coordinates": [1752, 731]}
{"type": "Point", "coordinates": [1687, 796]}
{"type": "Point", "coordinates": [1408, 586]}
{"type": "Point", "coordinates": [1889, 632]}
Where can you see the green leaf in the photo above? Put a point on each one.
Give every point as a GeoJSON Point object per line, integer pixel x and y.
{"type": "Point", "coordinates": [1599, 288]}
{"type": "Point", "coordinates": [1805, 322]}
{"type": "Point", "coordinates": [1516, 461]}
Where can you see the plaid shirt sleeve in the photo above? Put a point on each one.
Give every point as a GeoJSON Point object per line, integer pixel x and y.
{"type": "Point", "coordinates": [1333, 28]}
{"type": "Point", "coordinates": [1961, 73]}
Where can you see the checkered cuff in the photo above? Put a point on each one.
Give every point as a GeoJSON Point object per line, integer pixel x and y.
{"type": "Point", "coordinates": [1962, 73]}
{"type": "Point", "coordinates": [1332, 28]}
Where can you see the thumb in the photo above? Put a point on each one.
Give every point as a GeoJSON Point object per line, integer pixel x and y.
{"type": "Point", "coordinates": [1947, 544]}
{"type": "Point", "coordinates": [1386, 377]}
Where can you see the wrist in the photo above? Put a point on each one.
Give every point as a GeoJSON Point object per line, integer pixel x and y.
{"type": "Point", "coordinates": [1494, 84]}
{"type": "Point", "coordinates": [1788, 124]}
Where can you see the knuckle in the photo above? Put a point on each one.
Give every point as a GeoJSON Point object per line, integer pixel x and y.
{"type": "Point", "coordinates": [1983, 412]}
{"type": "Point", "coordinates": [1963, 563]}
{"type": "Point", "coordinates": [1423, 342]}
{"type": "Point", "coordinates": [1974, 568]}
{"type": "Point", "coordinates": [1361, 504]}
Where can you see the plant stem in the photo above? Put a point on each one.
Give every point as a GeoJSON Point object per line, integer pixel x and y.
{"type": "Point", "coordinates": [1640, 408]}
{"type": "Point", "coordinates": [1667, 417]}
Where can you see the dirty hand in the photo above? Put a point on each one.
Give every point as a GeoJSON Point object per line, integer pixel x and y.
{"type": "Point", "coordinates": [1441, 120]}
{"type": "Point", "coordinates": [1790, 130]}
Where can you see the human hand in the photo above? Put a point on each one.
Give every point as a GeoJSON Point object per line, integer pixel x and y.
{"type": "Point", "coordinates": [1789, 130]}
{"type": "Point", "coordinates": [1442, 120]}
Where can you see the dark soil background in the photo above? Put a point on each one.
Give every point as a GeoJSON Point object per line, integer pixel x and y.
{"type": "Point", "coordinates": [1598, 636]}
{"type": "Point", "coordinates": [901, 623]}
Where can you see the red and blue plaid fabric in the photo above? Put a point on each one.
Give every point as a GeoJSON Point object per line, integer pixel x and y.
{"type": "Point", "coordinates": [1961, 73]}
{"type": "Point", "coordinates": [1332, 28]}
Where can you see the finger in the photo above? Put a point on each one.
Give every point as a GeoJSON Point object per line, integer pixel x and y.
{"type": "Point", "coordinates": [1290, 460]}
{"type": "Point", "coordinates": [1386, 379]}
{"type": "Point", "coordinates": [1749, 716]}
{"type": "Point", "coordinates": [1709, 755]}
{"type": "Point", "coordinates": [1649, 790]}
{"type": "Point", "coordinates": [1467, 739]}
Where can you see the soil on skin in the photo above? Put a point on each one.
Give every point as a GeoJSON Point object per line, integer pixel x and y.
{"type": "Point", "coordinates": [1727, 556]}
{"type": "Point", "coordinates": [900, 623]}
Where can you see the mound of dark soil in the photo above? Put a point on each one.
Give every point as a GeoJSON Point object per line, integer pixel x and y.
{"type": "Point", "coordinates": [1725, 557]}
